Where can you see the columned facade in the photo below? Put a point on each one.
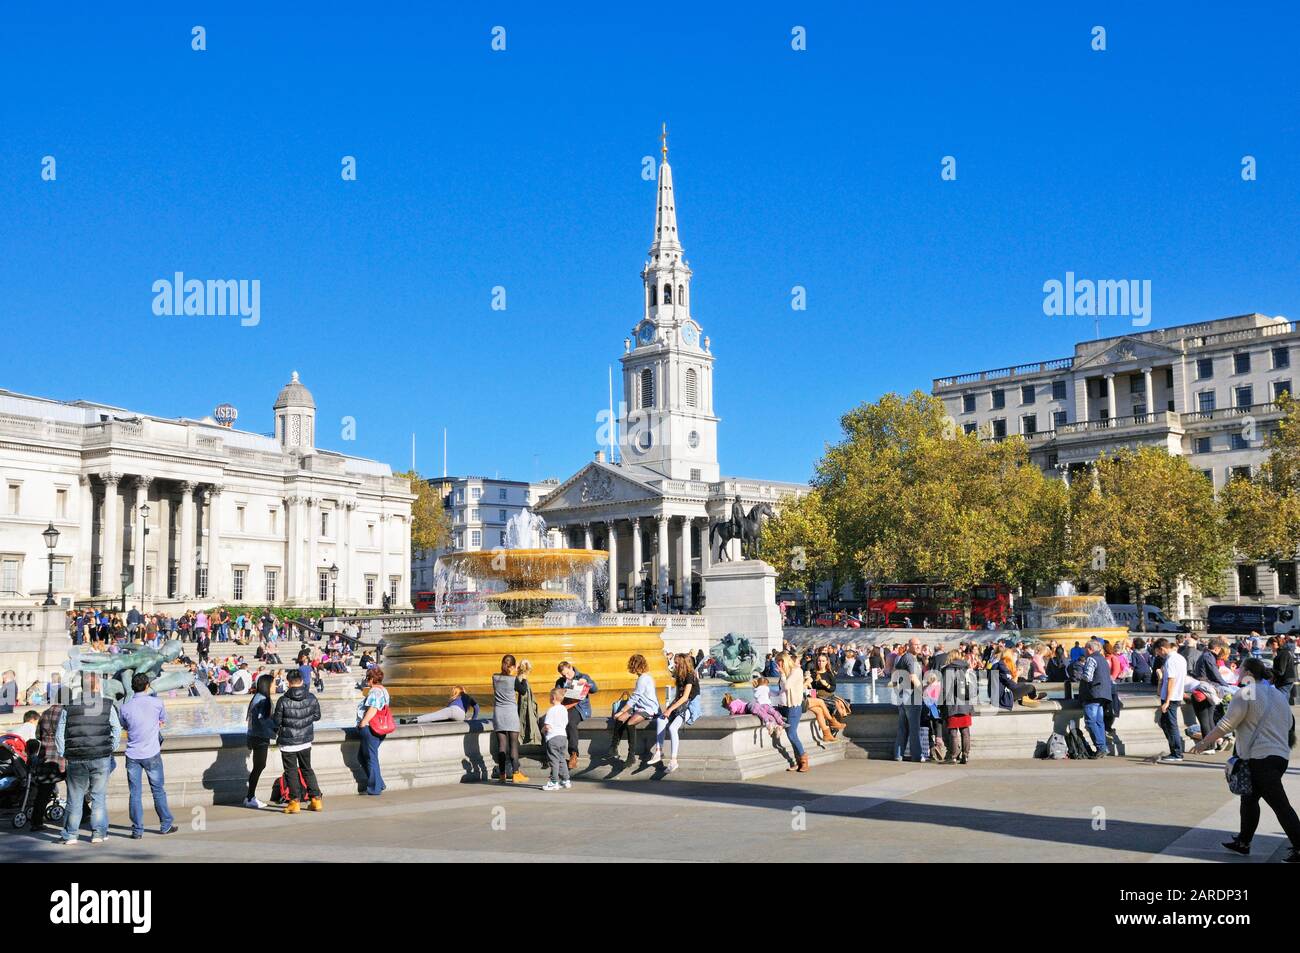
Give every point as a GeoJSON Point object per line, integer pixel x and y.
{"type": "Point", "coordinates": [234, 517]}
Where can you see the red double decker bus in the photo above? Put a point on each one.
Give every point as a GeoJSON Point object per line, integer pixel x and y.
{"type": "Point", "coordinates": [893, 604]}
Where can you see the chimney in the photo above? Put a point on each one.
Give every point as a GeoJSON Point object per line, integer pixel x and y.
{"type": "Point", "coordinates": [600, 456]}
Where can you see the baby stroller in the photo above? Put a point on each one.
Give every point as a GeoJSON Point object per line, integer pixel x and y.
{"type": "Point", "coordinates": [24, 773]}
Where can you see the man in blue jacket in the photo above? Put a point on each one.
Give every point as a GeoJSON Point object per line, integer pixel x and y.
{"type": "Point", "coordinates": [1095, 692]}
{"type": "Point", "coordinates": [579, 709]}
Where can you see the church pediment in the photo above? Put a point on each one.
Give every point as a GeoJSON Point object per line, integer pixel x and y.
{"type": "Point", "coordinates": [594, 485]}
{"type": "Point", "coordinates": [1127, 349]}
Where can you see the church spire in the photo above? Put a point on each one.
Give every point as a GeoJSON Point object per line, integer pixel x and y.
{"type": "Point", "coordinates": [665, 240]}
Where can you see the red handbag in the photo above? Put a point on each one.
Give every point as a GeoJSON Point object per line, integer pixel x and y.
{"type": "Point", "coordinates": [382, 723]}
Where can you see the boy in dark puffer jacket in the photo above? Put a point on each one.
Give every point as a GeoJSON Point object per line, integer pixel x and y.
{"type": "Point", "coordinates": [296, 714]}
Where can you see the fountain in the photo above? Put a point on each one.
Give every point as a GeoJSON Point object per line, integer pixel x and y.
{"type": "Point", "coordinates": [524, 581]}
{"type": "Point", "coordinates": [1071, 617]}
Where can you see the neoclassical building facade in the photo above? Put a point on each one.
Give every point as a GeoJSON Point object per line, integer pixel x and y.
{"type": "Point", "coordinates": [175, 513]}
{"type": "Point", "coordinates": [652, 508]}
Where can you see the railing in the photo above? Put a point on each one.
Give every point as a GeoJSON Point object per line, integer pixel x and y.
{"type": "Point", "coordinates": [18, 620]}
{"type": "Point", "coordinates": [1000, 373]}
{"type": "Point", "coordinates": [1162, 418]}
{"type": "Point", "coordinates": [1243, 334]}
{"type": "Point", "coordinates": [1229, 413]}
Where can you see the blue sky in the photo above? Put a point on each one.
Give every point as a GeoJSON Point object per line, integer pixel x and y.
{"type": "Point", "coordinates": [522, 168]}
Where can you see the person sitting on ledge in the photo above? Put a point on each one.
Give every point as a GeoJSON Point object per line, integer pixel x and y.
{"type": "Point", "coordinates": [461, 706]}
{"type": "Point", "coordinates": [580, 708]}
{"type": "Point", "coordinates": [642, 705]}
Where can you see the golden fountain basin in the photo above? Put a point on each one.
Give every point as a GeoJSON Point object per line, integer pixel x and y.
{"type": "Point", "coordinates": [420, 668]}
{"type": "Point", "coordinates": [521, 568]}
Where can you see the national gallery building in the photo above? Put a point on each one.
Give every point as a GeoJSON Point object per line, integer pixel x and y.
{"type": "Point", "coordinates": [174, 513]}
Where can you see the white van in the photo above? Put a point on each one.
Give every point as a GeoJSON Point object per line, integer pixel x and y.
{"type": "Point", "coordinates": [1156, 620]}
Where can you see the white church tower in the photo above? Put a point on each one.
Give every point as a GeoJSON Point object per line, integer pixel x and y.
{"type": "Point", "coordinates": [668, 425]}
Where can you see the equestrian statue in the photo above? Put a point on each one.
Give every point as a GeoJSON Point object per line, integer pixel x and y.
{"type": "Point", "coordinates": [748, 528]}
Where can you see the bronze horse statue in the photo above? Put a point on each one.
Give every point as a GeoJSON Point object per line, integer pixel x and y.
{"type": "Point", "coordinates": [750, 532]}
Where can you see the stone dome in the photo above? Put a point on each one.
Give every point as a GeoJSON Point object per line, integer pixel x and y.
{"type": "Point", "coordinates": [294, 394]}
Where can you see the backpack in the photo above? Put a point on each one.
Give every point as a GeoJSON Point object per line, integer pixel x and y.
{"type": "Point", "coordinates": [1056, 747]}
{"type": "Point", "coordinates": [280, 789]}
{"type": "Point", "coordinates": [1141, 666]}
{"type": "Point", "coordinates": [1076, 748]}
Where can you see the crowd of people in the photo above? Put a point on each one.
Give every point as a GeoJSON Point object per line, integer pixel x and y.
{"type": "Point", "coordinates": [1237, 698]}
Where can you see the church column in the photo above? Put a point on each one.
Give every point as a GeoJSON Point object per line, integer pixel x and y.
{"type": "Point", "coordinates": [216, 577]}
{"type": "Point", "coordinates": [661, 580]}
{"type": "Point", "coordinates": [684, 563]}
{"type": "Point", "coordinates": [611, 542]}
{"type": "Point", "coordinates": [1149, 390]}
{"type": "Point", "coordinates": [637, 560]}
{"type": "Point", "coordinates": [589, 580]}
{"type": "Point", "coordinates": [138, 554]}
{"type": "Point", "coordinates": [383, 555]}
{"type": "Point", "coordinates": [185, 562]}
{"type": "Point", "coordinates": [706, 549]}
{"type": "Point", "coordinates": [346, 510]}
{"type": "Point", "coordinates": [1110, 398]}
{"type": "Point", "coordinates": [110, 576]}
{"type": "Point", "coordinates": [292, 549]}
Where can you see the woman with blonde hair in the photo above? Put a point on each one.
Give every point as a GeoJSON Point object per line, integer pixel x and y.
{"type": "Point", "coordinates": [789, 702]}
{"type": "Point", "coordinates": [642, 705]}
{"type": "Point", "coordinates": [459, 707]}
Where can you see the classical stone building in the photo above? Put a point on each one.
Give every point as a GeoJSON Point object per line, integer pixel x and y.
{"type": "Point", "coordinates": [1205, 391]}
{"type": "Point", "coordinates": [652, 508]}
{"type": "Point", "coordinates": [173, 513]}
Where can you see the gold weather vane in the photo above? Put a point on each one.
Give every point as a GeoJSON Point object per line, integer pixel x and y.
{"type": "Point", "coordinates": [664, 137]}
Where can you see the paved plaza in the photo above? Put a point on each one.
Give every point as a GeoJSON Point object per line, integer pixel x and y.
{"type": "Point", "coordinates": [1019, 811]}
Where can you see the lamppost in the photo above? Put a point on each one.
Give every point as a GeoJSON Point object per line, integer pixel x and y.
{"type": "Point", "coordinates": [51, 536]}
{"type": "Point", "coordinates": [144, 553]}
{"type": "Point", "coordinates": [334, 589]}
{"type": "Point", "coordinates": [126, 580]}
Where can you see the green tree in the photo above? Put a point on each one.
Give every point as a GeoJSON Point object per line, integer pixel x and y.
{"type": "Point", "coordinates": [799, 544]}
{"type": "Point", "coordinates": [430, 525]}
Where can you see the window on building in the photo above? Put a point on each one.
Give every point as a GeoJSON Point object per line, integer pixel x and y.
{"type": "Point", "coordinates": [237, 583]}
{"type": "Point", "coordinates": [1204, 368]}
{"type": "Point", "coordinates": [1239, 441]}
{"type": "Point", "coordinates": [473, 514]}
{"type": "Point", "coordinates": [1239, 473]}
{"type": "Point", "coordinates": [1248, 580]}
{"type": "Point", "coordinates": [1027, 393]}
{"type": "Point", "coordinates": [1245, 395]}
{"type": "Point", "coordinates": [970, 427]}
{"type": "Point", "coordinates": [202, 585]}
{"type": "Point", "coordinates": [1029, 424]}
{"type": "Point", "coordinates": [475, 539]}
{"type": "Point", "coordinates": [323, 585]}
{"type": "Point", "coordinates": [690, 386]}
{"type": "Point", "coordinates": [61, 503]}
{"type": "Point", "coordinates": [1286, 579]}
{"type": "Point", "coordinates": [501, 538]}
{"type": "Point", "coordinates": [393, 583]}
{"type": "Point", "coordinates": [1241, 363]}
{"type": "Point", "coordinates": [9, 576]}
{"type": "Point", "coordinates": [1280, 388]}
{"type": "Point", "coordinates": [1209, 475]}
{"type": "Point", "coordinates": [370, 533]}
{"type": "Point", "coordinates": [501, 516]}
{"type": "Point", "coordinates": [370, 590]}
{"type": "Point", "coordinates": [475, 493]}
{"type": "Point", "coordinates": [275, 521]}
{"type": "Point", "coordinates": [968, 403]}
{"type": "Point", "coordinates": [325, 522]}
{"type": "Point", "coordinates": [460, 541]}
{"type": "Point", "coordinates": [501, 494]}
{"type": "Point", "coordinates": [1104, 413]}
{"type": "Point", "coordinates": [1059, 419]}
{"type": "Point", "coordinates": [239, 518]}
{"type": "Point", "coordinates": [173, 577]}
{"type": "Point", "coordinates": [1000, 428]}
{"type": "Point", "coordinates": [668, 293]}
{"type": "Point", "coordinates": [695, 474]}
{"type": "Point", "coordinates": [1281, 358]}
{"type": "Point", "coordinates": [1205, 401]}
{"type": "Point", "coordinates": [60, 568]}
{"type": "Point", "coordinates": [1202, 445]}
{"type": "Point", "coordinates": [460, 496]}
{"type": "Point", "coordinates": [14, 501]}
{"type": "Point", "coordinates": [1169, 379]}
{"type": "Point", "coordinates": [1058, 390]}
{"type": "Point", "coordinates": [272, 584]}
{"type": "Point", "coordinates": [999, 399]}
{"type": "Point", "coordinates": [1137, 384]}
{"type": "Point", "coordinates": [647, 388]}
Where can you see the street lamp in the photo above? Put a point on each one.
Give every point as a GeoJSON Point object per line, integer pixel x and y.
{"type": "Point", "coordinates": [126, 580]}
{"type": "Point", "coordinates": [334, 589]}
{"type": "Point", "coordinates": [144, 550]}
{"type": "Point", "coordinates": [51, 536]}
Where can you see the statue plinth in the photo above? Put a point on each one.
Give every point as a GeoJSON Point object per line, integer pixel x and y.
{"type": "Point", "coordinates": [740, 598]}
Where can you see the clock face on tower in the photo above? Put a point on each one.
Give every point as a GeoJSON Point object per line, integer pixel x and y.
{"type": "Point", "coordinates": [690, 336]}
{"type": "Point", "coordinates": [693, 440]}
{"type": "Point", "coordinates": [646, 335]}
